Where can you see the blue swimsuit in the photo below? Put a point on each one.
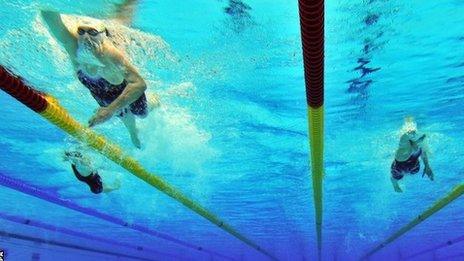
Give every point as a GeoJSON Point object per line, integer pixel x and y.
{"type": "Point", "coordinates": [93, 180]}
{"type": "Point", "coordinates": [105, 93]}
{"type": "Point", "coordinates": [411, 165]}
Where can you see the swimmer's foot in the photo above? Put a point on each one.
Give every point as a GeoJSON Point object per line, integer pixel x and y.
{"type": "Point", "coordinates": [135, 140]}
{"type": "Point", "coordinates": [428, 171]}
{"type": "Point", "coordinates": [153, 101]}
{"type": "Point", "coordinates": [398, 189]}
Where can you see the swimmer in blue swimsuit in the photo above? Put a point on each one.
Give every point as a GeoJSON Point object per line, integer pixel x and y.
{"type": "Point", "coordinates": [85, 173]}
{"type": "Point", "coordinates": [105, 71]}
{"type": "Point", "coordinates": [110, 77]}
{"type": "Point", "coordinates": [407, 156]}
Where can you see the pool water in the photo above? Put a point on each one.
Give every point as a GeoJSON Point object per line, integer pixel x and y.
{"type": "Point", "coordinates": [231, 132]}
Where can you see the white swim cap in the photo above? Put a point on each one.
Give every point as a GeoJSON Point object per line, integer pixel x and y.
{"type": "Point", "coordinates": [409, 125]}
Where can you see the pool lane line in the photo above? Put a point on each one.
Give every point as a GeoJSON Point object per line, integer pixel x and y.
{"type": "Point", "coordinates": [67, 245]}
{"type": "Point", "coordinates": [437, 206]}
{"type": "Point", "coordinates": [50, 109]}
{"type": "Point", "coordinates": [448, 243]}
{"type": "Point", "coordinates": [312, 38]}
{"type": "Point", "coordinates": [22, 187]}
{"type": "Point", "coordinates": [70, 232]}
{"type": "Point", "coordinates": [460, 256]}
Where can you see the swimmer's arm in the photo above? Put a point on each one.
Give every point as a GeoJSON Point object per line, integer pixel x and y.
{"type": "Point", "coordinates": [125, 12]}
{"type": "Point", "coordinates": [423, 146]}
{"type": "Point", "coordinates": [135, 84]}
{"type": "Point", "coordinates": [425, 158]}
{"type": "Point", "coordinates": [60, 31]}
{"type": "Point", "coordinates": [427, 169]}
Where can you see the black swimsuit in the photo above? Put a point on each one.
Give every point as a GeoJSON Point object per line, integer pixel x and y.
{"type": "Point", "coordinates": [93, 180]}
{"type": "Point", "coordinates": [411, 165]}
{"type": "Point", "coordinates": [105, 93]}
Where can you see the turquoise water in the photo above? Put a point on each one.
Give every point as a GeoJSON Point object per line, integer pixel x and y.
{"type": "Point", "coordinates": [232, 130]}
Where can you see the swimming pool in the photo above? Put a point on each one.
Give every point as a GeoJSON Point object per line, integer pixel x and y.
{"type": "Point", "coordinates": [231, 133]}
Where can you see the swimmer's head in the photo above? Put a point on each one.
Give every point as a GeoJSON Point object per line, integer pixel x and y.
{"type": "Point", "coordinates": [409, 125]}
{"type": "Point", "coordinates": [91, 35]}
{"type": "Point", "coordinates": [408, 119]}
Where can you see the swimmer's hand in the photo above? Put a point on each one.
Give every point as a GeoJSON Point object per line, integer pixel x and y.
{"type": "Point", "coordinates": [428, 171]}
{"type": "Point", "coordinates": [396, 186]}
{"type": "Point", "coordinates": [103, 114]}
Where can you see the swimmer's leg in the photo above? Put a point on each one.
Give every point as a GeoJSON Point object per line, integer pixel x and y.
{"type": "Point", "coordinates": [129, 121]}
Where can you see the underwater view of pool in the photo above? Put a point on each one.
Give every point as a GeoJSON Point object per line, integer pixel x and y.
{"type": "Point", "coordinates": [218, 164]}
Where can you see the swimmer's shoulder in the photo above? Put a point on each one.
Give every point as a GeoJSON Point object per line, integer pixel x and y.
{"type": "Point", "coordinates": [119, 58]}
{"type": "Point", "coordinates": [404, 139]}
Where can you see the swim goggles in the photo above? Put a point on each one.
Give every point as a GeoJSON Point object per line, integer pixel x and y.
{"type": "Point", "coordinates": [91, 32]}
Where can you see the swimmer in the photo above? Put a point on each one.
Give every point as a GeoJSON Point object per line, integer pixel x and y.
{"type": "Point", "coordinates": [84, 172]}
{"type": "Point", "coordinates": [411, 148]}
{"type": "Point", "coordinates": [111, 79]}
{"type": "Point", "coordinates": [105, 71]}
